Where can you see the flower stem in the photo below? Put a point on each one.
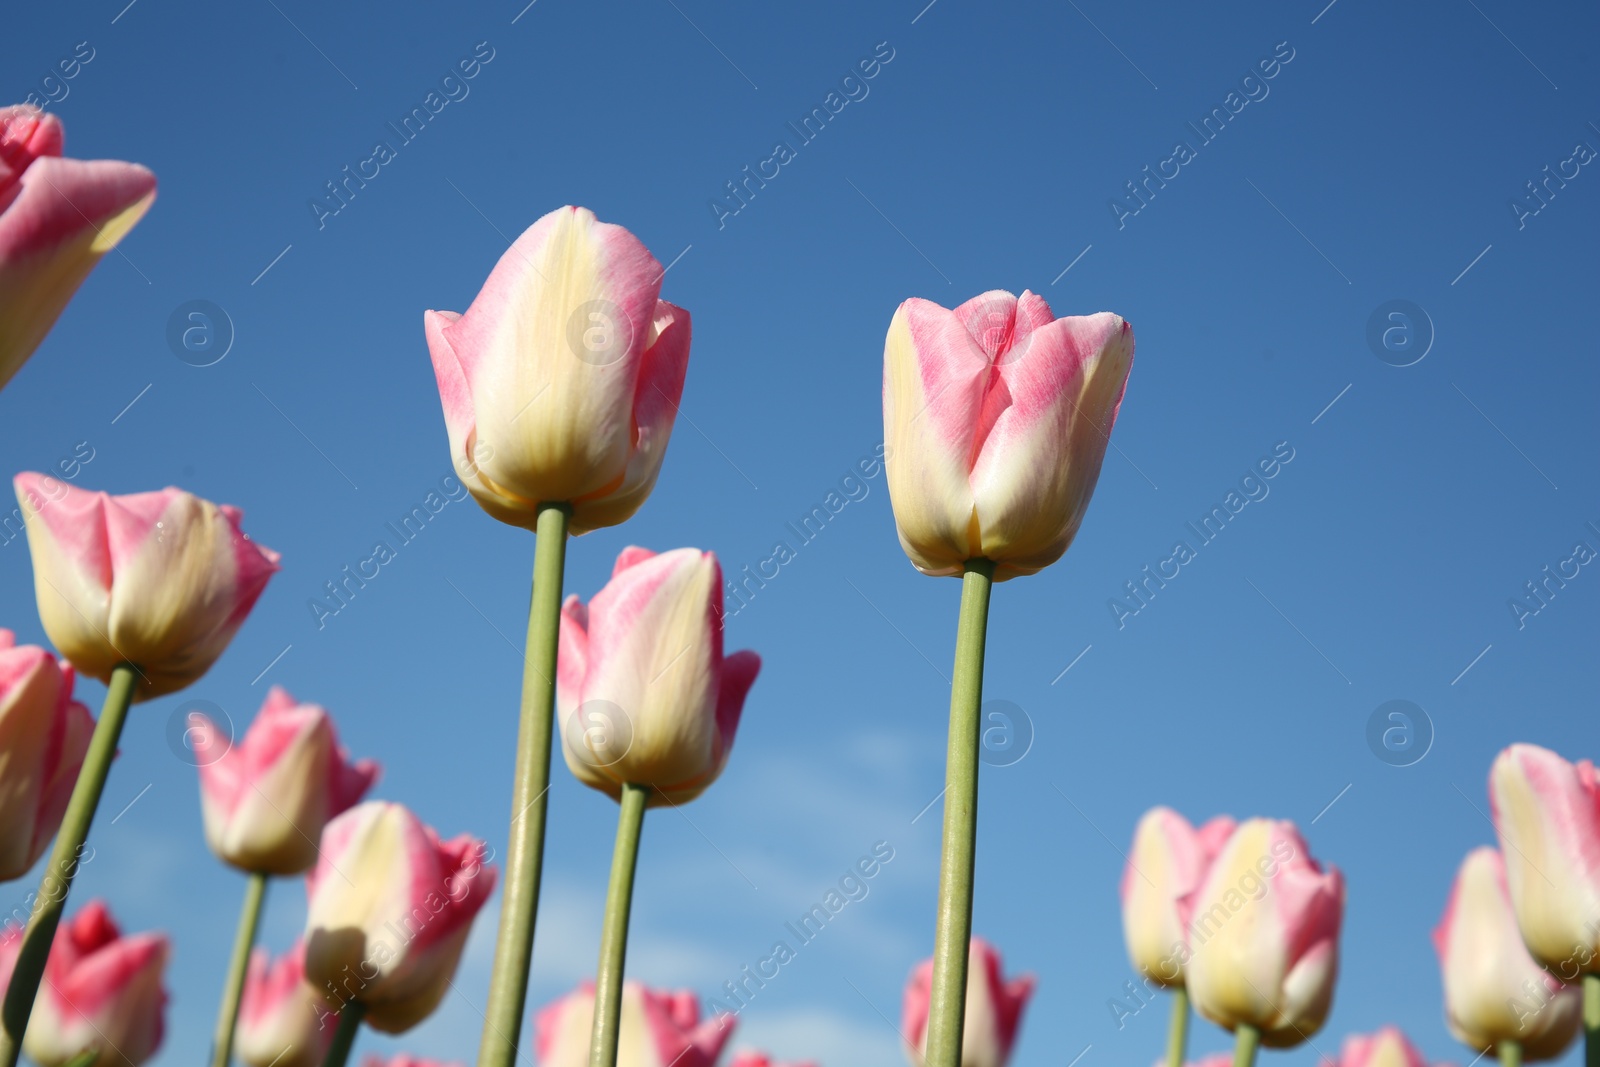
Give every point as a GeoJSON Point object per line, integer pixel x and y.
{"type": "Point", "coordinates": [255, 890]}
{"type": "Point", "coordinates": [508, 982]}
{"type": "Point", "coordinates": [51, 900]}
{"type": "Point", "coordinates": [1178, 1031]}
{"type": "Point", "coordinates": [344, 1037]}
{"type": "Point", "coordinates": [1246, 1040]}
{"type": "Point", "coordinates": [1591, 1020]}
{"type": "Point", "coordinates": [614, 933]}
{"type": "Point", "coordinates": [953, 927]}
{"type": "Point", "coordinates": [1510, 1053]}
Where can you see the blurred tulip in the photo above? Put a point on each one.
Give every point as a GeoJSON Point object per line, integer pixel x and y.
{"type": "Point", "coordinates": [658, 1029]}
{"type": "Point", "coordinates": [283, 1019]}
{"type": "Point", "coordinates": [102, 992]}
{"type": "Point", "coordinates": [57, 218]}
{"type": "Point", "coordinates": [1493, 990]}
{"type": "Point", "coordinates": [645, 694]}
{"type": "Point", "coordinates": [1264, 935]}
{"type": "Point", "coordinates": [161, 580]}
{"type": "Point", "coordinates": [1547, 813]}
{"type": "Point", "coordinates": [561, 382]}
{"type": "Point", "coordinates": [1165, 865]}
{"type": "Point", "coordinates": [389, 910]}
{"type": "Point", "coordinates": [761, 1059]}
{"type": "Point", "coordinates": [44, 734]}
{"type": "Point", "coordinates": [996, 418]}
{"type": "Point", "coordinates": [1387, 1047]}
{"type": "Point", "coordinates": [267, 798]}
{"type": "Point", "coordinates": [1215, 1059]}
{"type": "Point", "coordinates": [994, 1009]}
{"type": "Point", "coordinates": [404, 1060]}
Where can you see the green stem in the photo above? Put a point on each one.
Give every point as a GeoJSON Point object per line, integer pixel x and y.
{"type": "Point", "coordinates": [614, 933]}
{"type": "Point", "coordinates": [519, 904]}
{"type": "Point", "coordinates": [1591, 1020]}
{"type": "Point", "coordinates": [1510, 1054]}
{"type": "Point", "coordinates": [1178, 1031]}
{"type": "Point", "coordinates": [344, 1037]}
{"type": "Point", "coordinates": [952, 932]}
{"type": "Point", "coordinates": [85, 1058]}
{"type": "Point", "coordinates": [1246, 1040]}
{"type": "Point", "coordinates": [51, 900]}
{"type": "Point", "coordinates": [255, 890]}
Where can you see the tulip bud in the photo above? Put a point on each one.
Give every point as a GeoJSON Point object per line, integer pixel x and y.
{"type": "Point", "coordinates": [1494, 991]}
{"type": "Point", "coordinates": [658, 1028]}
{"type": "Point", "coordinates": [266, 799]}
{"type": "Point", "coordinates": [44, 734]}
{"type": "Point", "coordinates": [1547, 813]}
{"type": "Point", "coordinates": [996, 418]}
{"type": "Point", "coordinates": [1264, 935]}
{"type": "Point", "coordinates": [283, 1019]}
{"type": "Point", "coordinates": [389, 910]}
{"type": "Point", "coordinates": [1165, 865]}
{"type": "Point", "coordinates": [1386, 1048]}
{"type": "Point", "coordinates": [159, 580]}
{"type": "Point", "coordinates": [561, 382]}
{"type": "Point", "coordinates": [57, 218]}
{"type": "Point", "coordinates": [761, 1059]}
{"type": "Point", "coordinates": [645, 694]}
{"type": "Point", "coordinates": [993, 1015]}
{"type": "Point", "coordinates": [102, 992]}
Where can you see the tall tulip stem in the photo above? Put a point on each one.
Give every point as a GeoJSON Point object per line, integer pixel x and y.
{"type": "Point", "coordinates": [614, 933]}
{"type": "Point", "coordinates": [1246, 1039]}
{"type": "Point", "coordinates": [508, 982]}
{"type": "Point", "coordinates": [1178, 1031]}
{"type": "Point", "coordinates": [255, 891]}
{"type": "Point", "coordinates": [953, 928]}
{"type": "Point", "coordinates": [51, 900]}
{"type": "Point", "coordinates": [1510, 1053]}
{"type": "Point", "coordinates": [1591, 1020]}
{"type": "Point", "coordinates": [344, 1036]}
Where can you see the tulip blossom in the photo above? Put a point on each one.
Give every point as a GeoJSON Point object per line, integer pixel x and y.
{"type": "Point", "coordinates": [283, 1019]}
{"type": "Point", "coordinates": [57, 218]}
{"type": "Point", "coordinates": [1387, 1047]}
{"type": "Point", "coordinates": [389, 910]}
{"type": "Point", "coordinates": [102, 992]}
{"type": "Point", "coordinates": [658, 1029]}
{"type": "Point", "coordinates": [645, 694]}
{"type": "Point", "coordinates": [44, 734]}
{"type": "Point", "coordinates": [761, 1059]}
{"type": "Point", "coordinates": [996, 418]}
{"type": "Point", "coordinates": [560, 384]}
{"type": "Point", "coordinates": [1264, 935]}
{"type": "Point", "coordinates": [404, 1060]}
{"type": "Point", "coordinates": [160, 580]}
{"type": "Point", "coordinates": [1165, 865]}
{"type": "Point", "coordinates": [1494, 991]}
{"type": "Point", "coordinates": [1547, 813]}
{"type": "Point", "coordinates": [994, 1009]}
{"type": "Point", "coordinates": [266, 799]}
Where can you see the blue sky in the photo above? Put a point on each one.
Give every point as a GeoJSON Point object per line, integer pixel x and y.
{"type": "Point", "coordinates": [1378, 164]}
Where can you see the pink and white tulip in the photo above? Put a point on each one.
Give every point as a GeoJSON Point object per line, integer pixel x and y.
{"type": "Point", "coordinates": [1166, 863]}
{"type": "Point", "coordinates": [1388, 1047]}
{"type": "Point", "coordinates": [57, 218]}
{"type": "Point", "coordinates": [44, 734]}
{"type": "Point", "coordinates": [1493, 990]}
{"type": "Point", "coordinates": [761, 1059]}
{"type": "Point", "coordinates": [659, 1028]}
{"type": "Point", "coordinates": [1547, 814]}
{"type": "Point", "coordinates": [389, 910]}
{"type": "Point", "coordinates": [996, 419]}
{"type": "Point", "coordinates": [645, 694]}
{"type": "Point", "coordinates": [266, 799]}
{"type": "Point", "coordinates": [1264, 935]}
{"type": "Point", "coordinates": [994, 1009]}
{"type": "Point", "coordinates": [161, 580]}
{"type": "Point", "coordinates": [102, 992]}
{"type": "Point", "coordinates": [562, 380]}
{"type": "Point", "coordinates": [283, 1019]}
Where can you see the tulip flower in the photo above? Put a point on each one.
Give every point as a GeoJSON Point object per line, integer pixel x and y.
{"type": "Point", "coordinates": [1165, 865]}
{"type": "Point", "coordinates": [57, 218]}
{"type": "Point", "coordinates": [1216, 1059]}
{"type": "Point", "coordinates": [283, 1019]}
{"type": "Point", "coordinates": [44, 734]}
{"type": "Point", "coordinates": [404, 1060]}
{"type": "Point", "coordinates": [659, 1029]}
{"type": "Point", "coordinates": [390, 907]}
{"type": "Point", "coordinates": [1388, 1047]}
{"type": "Point", "coordinates": [997, 416]}
{"type": "Point", "coordinates": [761, 1059]}
{"type": "Point", "coordinates": [1264, 937]}
{"type": "Point", "coordinates": [561, 382]}
{"type": "Point", "coordinates": [994, 1007]}
{"type": "Point", "coordinates": [159, 580]}
{"type": "Point", "coordinates": [104, 993]}
{"type": "Point", "coordinates": [1494, 991]}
